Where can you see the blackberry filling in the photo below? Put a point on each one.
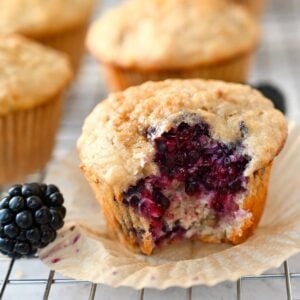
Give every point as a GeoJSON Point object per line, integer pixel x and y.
{"type": "Point", "coordinates": [197, 186]}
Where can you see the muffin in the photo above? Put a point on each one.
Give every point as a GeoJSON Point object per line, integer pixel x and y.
{"type": "Point", "coordinates": [32, 79]}
{"type": "Point", "coordinates": [61, 24]}
{"type": "Point", "coordinates": [156, 40]}
{"type": "Point", "coordinates": [256, 7]}
{"type": "Point", "coordinates": [181, 159]}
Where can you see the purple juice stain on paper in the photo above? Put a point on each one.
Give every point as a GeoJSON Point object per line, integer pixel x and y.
{"type": "Point", "coordinates": [55, 260]}
{"type": "Point", "coordinates": [75, 240]}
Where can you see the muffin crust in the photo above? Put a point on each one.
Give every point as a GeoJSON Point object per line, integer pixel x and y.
{"type": "Point", "coordinates": [170, 34]}
{"type": "Point", "coordinates": [30, 74]}
{"type": "Point", "coordinates": [35, 18]}
{"type": "Point", "coordinates": [181, 159]}
{"type": "Point", "coordinates": [113, 146]}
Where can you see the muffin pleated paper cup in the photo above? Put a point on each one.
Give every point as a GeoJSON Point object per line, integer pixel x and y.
{"type": "Point", "coordinates": [83, 249]}
{"type": "Point", "coordinates": [27, 139]}
{"type": "Point", "coordinates": [235, 69]}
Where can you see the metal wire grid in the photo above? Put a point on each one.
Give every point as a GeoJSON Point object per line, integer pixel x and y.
{"type": "Point", "coordinates": [50, 281]}
{"type": "Point", "coordinates": [90, 89]}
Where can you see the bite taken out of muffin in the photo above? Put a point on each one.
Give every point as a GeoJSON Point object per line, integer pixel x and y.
{"type": "Point", "coordinates": [181, 159]}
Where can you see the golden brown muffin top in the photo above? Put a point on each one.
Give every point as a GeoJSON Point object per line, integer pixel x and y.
{"type": "Point", "coordinates": [35, 18]}
{"type": "Point", "coordinates": [167, 34]}
{"type": "Point", "coordinates": [114, 146]}
{"type": "Point", "coordinates": [29, 73]}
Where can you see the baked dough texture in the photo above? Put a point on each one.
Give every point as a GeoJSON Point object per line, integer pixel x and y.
{"type": "Point", "coordinates": [32, 80]}
{"type": "Point", "coordinates": [59, 24]}
{"type": "Point", "coordinates": [30, 74]}
{"type": "Point", "coordinates": [36, 18]}
{"type": "Point", "coordinates": [172, 34]}
{"type": "Point", "coordinates": [117, 152]}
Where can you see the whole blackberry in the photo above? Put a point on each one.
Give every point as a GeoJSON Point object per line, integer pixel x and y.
{"type": "Point", "coordinates": [30, 215]}
{"type": "Point", "coordinates": [274, 93]}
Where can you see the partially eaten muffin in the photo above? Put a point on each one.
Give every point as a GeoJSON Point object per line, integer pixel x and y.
{"type": "Point", "coordinates": [181, 159]}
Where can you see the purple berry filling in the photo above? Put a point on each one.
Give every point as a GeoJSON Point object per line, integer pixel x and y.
{"type": "Point", "coordinates": [189, 157]}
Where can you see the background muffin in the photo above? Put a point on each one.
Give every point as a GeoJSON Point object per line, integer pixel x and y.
{"type": "Point", "coordinates": [60, 24]}
{"type": "Point", "coordinates": [181, 159]}
{"type": "Point", "coordinates": [32, 79]}
{"type": "Point", "coordinates": [154, 40]}
{"type": "Point", "coordinates": [256, 7]}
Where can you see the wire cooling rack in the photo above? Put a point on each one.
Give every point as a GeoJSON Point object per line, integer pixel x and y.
{"type": "Point", "coordinates": [49, 281]}
{"type": "Point", "coordinates": [278, 61]}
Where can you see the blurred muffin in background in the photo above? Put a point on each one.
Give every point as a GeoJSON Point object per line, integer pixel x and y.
{"type": "Point", "coordinates": [32, 80]}
{"type": "Point", "coordinates": [61, 24]}
{"type": "Point", "coordinates": [154, 40]}
{"type": "Point", "coordinates": [256, 7]}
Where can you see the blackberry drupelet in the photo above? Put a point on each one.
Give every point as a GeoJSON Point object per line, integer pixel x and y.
{"type": "Point", "coordinates": [30, 215]}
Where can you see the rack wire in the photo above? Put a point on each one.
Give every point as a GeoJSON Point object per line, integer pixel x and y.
{"type": "Point", "coordinates": [50, 281]}
{"type": "Point", "coordinates": [274, 62]}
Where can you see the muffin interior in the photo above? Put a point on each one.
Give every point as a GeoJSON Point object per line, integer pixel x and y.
{"type": "Point", "coordinates": [198, 191]}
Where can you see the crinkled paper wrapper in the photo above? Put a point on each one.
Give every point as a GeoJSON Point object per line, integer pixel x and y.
{"type": "Point", "coordinates": [84, 251]}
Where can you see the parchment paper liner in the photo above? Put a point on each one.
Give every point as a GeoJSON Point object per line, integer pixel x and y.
{"type": "Point", "coordinates": [235, 69]}
{"type": "Point", "coordinates": [85, 252]}
{"type": "Point", "coordinates": [27, 138]}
